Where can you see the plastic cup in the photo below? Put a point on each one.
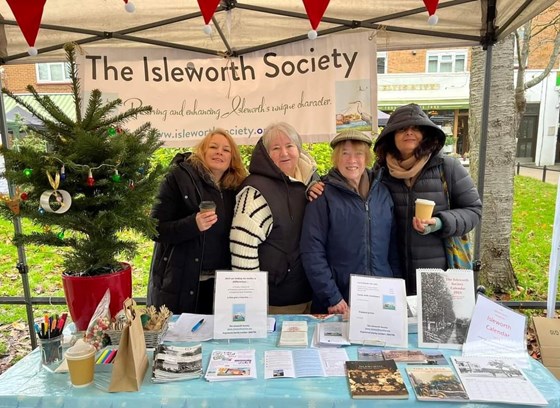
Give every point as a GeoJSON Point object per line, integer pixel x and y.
{"type": "Point", "coordinates": [424, 209]}
{"type": "Point", "coordinates": [206, 206]}
{"type": "Point", "coordinates": [51, 352]}
{"type": "Point", "coordinates": [81, 363]}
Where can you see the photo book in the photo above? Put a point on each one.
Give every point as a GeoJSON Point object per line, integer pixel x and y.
{"type": "Point", "coordinates": [446, 302]}
{"type": "Point", "coordinates": [436, 384]}
{"type": "Point", "coordinates": [375, 380]}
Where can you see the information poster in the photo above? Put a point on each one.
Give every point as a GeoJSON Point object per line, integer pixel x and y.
{"type": "Point", "coordinates": [378, 311]}
{"type": "Point", "coordinates": [240, 305]}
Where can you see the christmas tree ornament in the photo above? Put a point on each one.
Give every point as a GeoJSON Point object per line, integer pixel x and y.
{"type": "Point", "coordinates": [315, 10]}
{"type": "Point", "coordinates": [41, 211]}
{"type": "Point", "coordinates": [27, 172]}
{"type": "Point", "coordinates": [208, 8]}
{"type": "Point", "coordinates": [112, 131]}
{"type": "Point", "coordinates": [62, 173]}
{"type": "Point", "coordinates": [131, 184]}
{"type": "Point", "coordinates": [141, 170]}
{"type": "Point", "coordinates": [11, 203]}
{"type": "Point", "coordinates": [60, 198]}
{"type": "Point", "coordinates": [24, 196]}
{"type": "Point", "coordinates": [90, 179]}
{"type": "Point", "coordinates": [431, 7]}
{"type": "Point", "coordinates": [129, 6]}
{"type": "Point", "coordinates": [60, 235]}
{"type": "Point", "coordinates": [28, 15]}
{"type": "Point", "coordinates": [119, 130]}
{"type": "Point", "coordinates": [47, 229]}
{"type": "Point", "coordinates": [116, 177]}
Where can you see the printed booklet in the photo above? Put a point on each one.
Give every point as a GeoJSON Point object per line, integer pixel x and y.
{"type": "Point", "coordinates": [231, 365]}
{"type": "Point", "coordinates": [375, 380]}
{"type": "Point", "coordinates": [307, 362]}
{"type": "Point", "coordinates": [174, 363]}
{"type": "Point", "coordinates": [436, 384]}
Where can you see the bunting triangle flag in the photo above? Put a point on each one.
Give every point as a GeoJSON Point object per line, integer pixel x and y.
{"type": "Point", "coordinates": [28, 15]}
{"type": "Point", "coordinates": [208, 8]}
{"type": "Point", "coordinates": [315, 10]}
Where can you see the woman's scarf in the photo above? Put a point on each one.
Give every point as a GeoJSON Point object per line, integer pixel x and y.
{"type": "Point", "coordinates": [407, 169]}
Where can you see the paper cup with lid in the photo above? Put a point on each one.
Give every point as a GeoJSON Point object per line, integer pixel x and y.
{"type": "Point", "coordinates": [81, 363]}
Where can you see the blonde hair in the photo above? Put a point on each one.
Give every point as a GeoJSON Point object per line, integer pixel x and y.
{"type": "Point", "coordinates": [235, 174]}
{"type": "Point", "coordinates": [337, 151]}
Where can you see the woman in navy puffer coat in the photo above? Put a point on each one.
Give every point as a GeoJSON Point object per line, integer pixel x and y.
{"type": "Point", "coordinates": [350, 228]}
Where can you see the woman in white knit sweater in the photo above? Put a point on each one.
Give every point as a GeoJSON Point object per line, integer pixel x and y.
{"type": "Point", "coordinates": [268, 217]}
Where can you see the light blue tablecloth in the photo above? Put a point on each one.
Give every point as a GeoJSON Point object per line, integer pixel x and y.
{"type": "Point", "coordinates": [27, 385]}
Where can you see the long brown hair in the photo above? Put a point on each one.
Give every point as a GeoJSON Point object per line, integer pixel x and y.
{"type": "Point", "coordinates": [235, 174]}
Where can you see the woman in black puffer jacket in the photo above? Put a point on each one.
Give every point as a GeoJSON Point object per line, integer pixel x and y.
{"type": "Point", "coordinates": [409, 148]}
{"type": "Point", "coordinates": [192, 244]}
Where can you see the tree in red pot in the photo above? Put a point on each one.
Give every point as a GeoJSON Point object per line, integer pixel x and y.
{"type": "Point", "coordinates": [89, 181]}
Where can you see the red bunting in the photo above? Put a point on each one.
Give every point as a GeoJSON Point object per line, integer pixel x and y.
{"type": "Point", "coordinates": [208, 8]}
{"type": "Point", "coordinates": [431, 6]}
{"type": "Point", "coordinates": [28, 15]}
{"type": "Point", "coordinates": [315, 10]}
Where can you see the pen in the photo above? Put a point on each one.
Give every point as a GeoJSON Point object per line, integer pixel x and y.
{"type": "Point", "coordinates": [197, 326]}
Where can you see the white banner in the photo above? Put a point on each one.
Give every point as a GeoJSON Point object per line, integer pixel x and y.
{"type": "Point", "coordinates": [320, 87]}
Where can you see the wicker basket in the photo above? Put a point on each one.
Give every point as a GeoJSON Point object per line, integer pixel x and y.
{"type": "Point", "coordinates": [151, 337]}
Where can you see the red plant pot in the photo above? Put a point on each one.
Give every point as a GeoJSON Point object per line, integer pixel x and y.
{"type": "Point", "coordinates": [83, 293]}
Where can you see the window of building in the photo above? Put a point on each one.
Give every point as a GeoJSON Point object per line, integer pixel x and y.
{"type": "Point", "coordinates": [446, 61]}
{"type": "Point", "coordinates": [52, 72]}
{"type": "Point", "coordinates": [381, 62]}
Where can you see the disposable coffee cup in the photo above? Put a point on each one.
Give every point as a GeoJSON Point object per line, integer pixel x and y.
{"type": "Point", "coordinates": [206, 206]}
{"type": "Point", "coordinates": [81, 363]}
{"type": "Point", "coordinates": [51, 352]}
{"type": "Point", "coordinates": [424, 209]}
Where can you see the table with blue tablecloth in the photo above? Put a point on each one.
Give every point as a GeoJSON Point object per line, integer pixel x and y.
{"type": "Point", "coordinates": [26, 384]}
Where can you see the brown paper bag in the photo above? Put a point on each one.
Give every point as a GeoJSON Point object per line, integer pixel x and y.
{"type": "Point", "coordinates": [131, 362]}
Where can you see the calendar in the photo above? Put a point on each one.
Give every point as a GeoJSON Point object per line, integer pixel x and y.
{"type": "Point", "coordinates": [488, 379]}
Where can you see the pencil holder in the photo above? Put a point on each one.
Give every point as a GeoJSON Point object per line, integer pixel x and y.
{"type": "Point", "coordinates": [51, 352]}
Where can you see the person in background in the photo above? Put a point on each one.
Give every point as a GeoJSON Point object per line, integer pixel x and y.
{"type": "Point", "coordinates": [191, 243]}
{"type": "Point", "coordinates": [350, 228]}
{"type": "Point", "coordinates": [268, 216]}
{"type": "Point", "coordinates": [409, 148]}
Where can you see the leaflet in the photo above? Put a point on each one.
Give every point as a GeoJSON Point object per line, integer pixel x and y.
{"type": "Point", "coordinates": [306, 362]}
{"type": "Point", "coordinates": [378, 314]}
{"type": "Point", "coordinates": [240, 306]}
{"type": "Point", "coordinates": [231, 365]}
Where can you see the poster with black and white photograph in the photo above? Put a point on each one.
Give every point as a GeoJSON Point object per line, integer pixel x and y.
{"type": "Point", "coordinates": [445, 306]}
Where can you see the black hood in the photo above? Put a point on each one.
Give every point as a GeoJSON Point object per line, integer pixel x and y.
{"type": "Point", "coordinates": [410, 115]}
{"type": "Point", "coordinates": [180, 157]}
{"type": "Point", "coordinates": [262, 164]}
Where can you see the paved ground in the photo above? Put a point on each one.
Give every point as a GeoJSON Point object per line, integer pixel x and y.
{"type": "Point", "coordinates": [530, 170]}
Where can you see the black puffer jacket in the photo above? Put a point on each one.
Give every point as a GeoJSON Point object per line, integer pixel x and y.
{"type": "Point", "coordinates": [181, 250]}
{"type": "Point", "coordinates": [428, 251]}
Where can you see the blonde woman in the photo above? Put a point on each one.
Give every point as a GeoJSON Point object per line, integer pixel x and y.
{"type": "Point", "coordinates": [350, 228]}
{"type": "Point", "coordinates": [192, 244]}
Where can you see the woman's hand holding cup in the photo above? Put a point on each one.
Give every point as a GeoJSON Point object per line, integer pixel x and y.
{"type": "Point", "coordinates": [207, 215]}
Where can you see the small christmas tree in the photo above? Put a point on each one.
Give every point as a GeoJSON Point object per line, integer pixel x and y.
{"type": "Point", "coordinates": [91, 180]}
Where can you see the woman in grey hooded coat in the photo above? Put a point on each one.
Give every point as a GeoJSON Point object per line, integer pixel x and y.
{"type": "Point", "coordinates": [409, 148]}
